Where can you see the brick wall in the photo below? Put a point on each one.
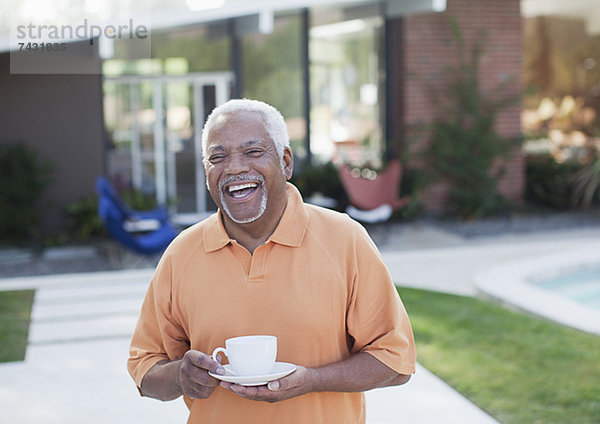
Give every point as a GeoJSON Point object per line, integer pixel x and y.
{"type": "Point", "coordinates": [427, 47]}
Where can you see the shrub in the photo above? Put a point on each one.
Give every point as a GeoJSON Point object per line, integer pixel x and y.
{"type": "Point", "coordinates": [464, 145]}
{"type": "Point", "coordinates": [138, 200]}
{"type": "Point", "coordinates": [548, 182]}
{"type": "Point", "coordinates": [324, 179]}
{"type": "Point", "coordinates": [84, 222]}
{"type": "Point", "coordinates": [586, 185]}
{"type": "Point", "coordinates": [413, 181]}
{"type": "Point", "coordinates": [23, 179]}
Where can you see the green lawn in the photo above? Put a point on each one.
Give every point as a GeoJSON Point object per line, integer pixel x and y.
{"type": "Point", "coordinates": [15, 311]}
{"type": "Point", "coordinates": [518, 368]}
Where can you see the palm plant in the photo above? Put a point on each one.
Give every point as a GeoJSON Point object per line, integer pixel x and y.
{"type": "Point", "coordinates": [586, 185]}
{"type": "Point", "coordinates": [464, 144]}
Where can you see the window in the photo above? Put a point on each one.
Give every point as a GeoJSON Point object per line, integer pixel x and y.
{"type": "Point", "coordinates": [345, 69]}
{"type": "Point", "coordinates": [272, 72]}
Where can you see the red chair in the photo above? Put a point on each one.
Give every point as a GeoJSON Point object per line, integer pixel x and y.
{"type": "Point", "coordinates": [374, 200]}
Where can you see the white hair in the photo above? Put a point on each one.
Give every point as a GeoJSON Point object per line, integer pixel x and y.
{"type": "Point", "coordinates": [272, 120]}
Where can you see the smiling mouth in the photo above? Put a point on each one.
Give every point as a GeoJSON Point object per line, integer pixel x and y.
{"type": "Point", "coordinates": [241, 190]}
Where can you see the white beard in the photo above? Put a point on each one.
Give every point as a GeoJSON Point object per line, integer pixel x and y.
{"type": "Point", "coordinates": [263, 200]}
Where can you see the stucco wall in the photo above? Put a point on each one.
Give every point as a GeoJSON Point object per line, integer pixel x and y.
{"type": "Point", "coordinates": [60, 117]}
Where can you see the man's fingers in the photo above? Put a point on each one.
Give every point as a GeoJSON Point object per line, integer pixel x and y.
{"type": "Point", "coordinates": [289, 382]}
{"type": "Point", "coordinates": [202, 378]}
{"type": "Point", "coordinates": [275, 385]}
{"type": "Point", "coordinates": [295, 384]}
{"type": "Point", "coordinates": [205, 362]}
{"type": "Point", "coordinates": [258, 393]}
{"type": "Point", "coordinates": [282, 384]}
{"type": "Point", "coordinates": [194, 378]}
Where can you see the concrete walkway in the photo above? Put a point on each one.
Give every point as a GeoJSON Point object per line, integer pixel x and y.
{"type": "Point", "coordinates": [75, 366]}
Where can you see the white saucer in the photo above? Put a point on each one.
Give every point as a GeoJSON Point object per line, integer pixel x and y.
{"type": "Point", "coordinates": [280, 369]}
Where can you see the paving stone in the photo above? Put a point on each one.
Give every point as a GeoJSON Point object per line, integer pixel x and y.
{"type": "Point", "coordinates": [94, 292]}
{"type": "Point", "coordinates": [74, 311]}
{"type": "Point", "coordinates": [85, 328]}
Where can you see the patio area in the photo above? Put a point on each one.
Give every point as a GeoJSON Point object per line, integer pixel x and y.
{"type": "Point", "coordinates": [81, 324]}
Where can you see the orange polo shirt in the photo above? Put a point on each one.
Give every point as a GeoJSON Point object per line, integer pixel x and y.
{"type": "Point", "coordinates": [319, 284]}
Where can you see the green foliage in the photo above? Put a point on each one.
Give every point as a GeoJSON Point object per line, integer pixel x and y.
{"type": "Point", "coordinates": [84, 222]}
{"type": "Point", "coordinates": [15, 313]}
{"type": "Point", "coordinates": [23, 179]}
{"type": "Point", "coordinates": [586, 185]}
{"type": "Point", "coordinates": [518, 368]}
{"type": "Point", "coordinates": [464, 145]}
{"type": "Point", "coordinates": [413, 181]}
{"type": "Point", "coordinates": [322, 179]}
{"type": "Point", "coordinates": [548, 182]}
{"type": "Point", "coordinates": [138, 200]}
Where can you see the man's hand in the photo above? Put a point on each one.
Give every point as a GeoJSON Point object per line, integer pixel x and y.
{"type": "Point", "coordinates": [168, 380]}
{"type": "Point", "coordinates": [193, 374]}
{"type": "Point", "coordinates": [297, 383]}
{"type": "Point", "coordinates": [359, 373]}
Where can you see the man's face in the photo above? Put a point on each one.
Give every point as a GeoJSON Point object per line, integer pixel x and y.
{"type": "Point", "coordinates": [243, 169]}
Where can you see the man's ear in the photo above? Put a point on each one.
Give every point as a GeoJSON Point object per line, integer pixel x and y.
{"type": "Point", "coordinates": [288, 162]}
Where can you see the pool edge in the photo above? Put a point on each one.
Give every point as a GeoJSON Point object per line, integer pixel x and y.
{"type": "Point", "coordinates": [508, 283]}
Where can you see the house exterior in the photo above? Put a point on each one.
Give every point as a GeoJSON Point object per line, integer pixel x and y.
{"type": "Point", "coordinates": [348, 76]}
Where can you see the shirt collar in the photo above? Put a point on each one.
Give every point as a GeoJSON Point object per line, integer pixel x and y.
{"type": "Point", "coordinates": [289, 232]}
{"type": "Point", "coordinates": [294, 222]}
{"type": "Point", "coordinates": [215, 236]}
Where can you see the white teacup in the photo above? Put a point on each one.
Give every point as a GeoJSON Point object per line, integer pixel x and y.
{"type": "Point", "coordinates": [250, 355]}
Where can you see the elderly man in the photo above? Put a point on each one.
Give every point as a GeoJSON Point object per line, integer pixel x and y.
{"type": "Point", "coordinates": [266, 263]}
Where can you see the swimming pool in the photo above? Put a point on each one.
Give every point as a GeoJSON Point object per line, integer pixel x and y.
{"type": "Point", "coordinates": [581, 284]}
{"type": "Point", "coordinates": [562, 287]}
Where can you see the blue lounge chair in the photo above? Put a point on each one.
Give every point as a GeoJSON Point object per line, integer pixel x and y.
{"type": "Point", "coordinates": [105, 188]}
{"type": "Point", "coordinates": [121, 222]}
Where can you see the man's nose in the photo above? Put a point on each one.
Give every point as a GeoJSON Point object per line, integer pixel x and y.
{"type": "Point", "coordinates": [236, 165]}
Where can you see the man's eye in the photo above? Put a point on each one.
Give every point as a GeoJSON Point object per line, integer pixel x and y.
{"type": "Point", "coordinates": [216, 158]}
{"type": "Point", "coordinates": [254, 152]}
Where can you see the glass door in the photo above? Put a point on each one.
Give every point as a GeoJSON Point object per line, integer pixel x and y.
{"type": "Point", "coordinates": [181, 155]}
{"type": "Point", "coordinates": [155, 126]}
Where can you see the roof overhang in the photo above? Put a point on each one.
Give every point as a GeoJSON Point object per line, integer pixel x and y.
{"type": "Point", "coordinates": [161, 14]}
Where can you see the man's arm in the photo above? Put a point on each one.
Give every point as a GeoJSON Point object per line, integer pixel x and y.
{"type": "Point", "coordinates": [358, 373]}
{"type": "Point", "coordinates": [167, 380]}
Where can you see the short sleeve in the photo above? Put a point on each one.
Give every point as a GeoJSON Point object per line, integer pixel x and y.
{"type": "Point", "coordinates": [158, 335]}
{"type": "Point", "coordinates": [376, 318]}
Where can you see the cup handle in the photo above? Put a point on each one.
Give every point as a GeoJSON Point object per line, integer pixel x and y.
{"type": "Point", "coordinates": [216, 352]}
